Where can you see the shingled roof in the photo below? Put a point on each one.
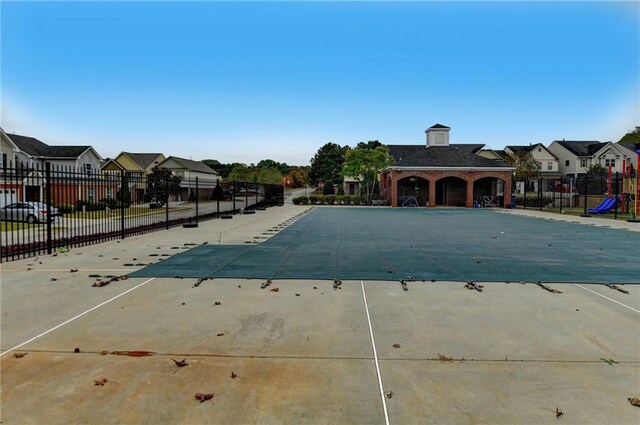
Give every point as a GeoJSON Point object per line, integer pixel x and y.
{"type": "Point", "coordinates": [34, 147]}
{"type": "Point", "coordinates": [191, 165]}
{"type": "Point", "coordinates": [142, 160]}
{"type": "Point", "coordinates": [518, 148]}
{"type": "Point", "coordinates": [454, 155]}
{"type": "Point", "coordinates": [438, 126]}
{"type": "Point", "coordinates": [581, 147]}
{"type": "Point", "coordinates": [632, 146]}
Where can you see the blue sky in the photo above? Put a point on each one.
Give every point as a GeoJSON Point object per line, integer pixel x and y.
{"type": "Point", "coordinates": [244, 81]}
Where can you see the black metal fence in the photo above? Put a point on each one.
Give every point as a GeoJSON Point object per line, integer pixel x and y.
{"type": "Point", "coordinates": [612, 196]}
{"type": "Point", "coordinates": [44, 208]}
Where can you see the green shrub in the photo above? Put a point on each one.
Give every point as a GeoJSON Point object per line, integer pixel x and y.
{"type": "Point", "coordinates": [314, 199]}
{"type": "Point", "coordinates": [339, 199]}
{"type": "Point", "coordinates": [108, 202]}
{"type": "Point", "coordinates": [330, 199]}
{"type": "Point", "coordinates": [300, 200]}
{"type": "Point", "coordinates": [346, 199]}
{"type": "Point", "coordinates": [65, 208]}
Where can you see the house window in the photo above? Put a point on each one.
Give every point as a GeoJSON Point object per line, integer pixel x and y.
{"type": "Point", "coordinates": [90, 194]}
{"type": "Point", "coordinates": [539, 149]}
{"type": "Point", "coordinates": [439, 138]}
{"type": "Point", "coordinates": [566, 163]}
{"type": "Point", "coordinates": [583, 162]}
{"type": "Point", "coordinates": [87, 168]}
{"type": "Point", "coordinates": [609, 162]}
{"type": "Point", "coordinates": [109, 193]}
{"type": "Point", "coordinates": [4, 160]}
{"type": "Point", "coordinates": [549, 166]}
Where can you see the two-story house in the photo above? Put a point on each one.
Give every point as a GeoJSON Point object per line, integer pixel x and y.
{"type": "Point", "coordinates": [74, 170]}
{"type": "Point", "coordinates": [576, 156]}
{"type": "Point", "coordinates": [136, 167]}
{"type": "Point", "coordinates": [547, 162]}
{"type": "Point", "coordinates": [187, 170]}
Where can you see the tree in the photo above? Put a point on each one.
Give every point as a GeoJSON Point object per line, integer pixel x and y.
{"type": "Point", "coordinates": [222, 169]}
{"type": "Point", "coordinates": [598, 169]}
{"type": "Point", "coordinates": [632, 137]}
{"type": "Point", "coordinates": [326, 165]}
{"type": "Point", "coordinates": [160, 184]}
{"type": "Point", "coordinates": [364, 164]}
{"type": "Point", "coordinates": [525, 164]}
{"type": "Point", "coordinates": [239, 173]}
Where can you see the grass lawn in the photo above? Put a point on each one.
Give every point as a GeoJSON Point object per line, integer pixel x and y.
{"type": "Point", "coordinates": [580, 210]}
{"type": "Point", "coordinates": [8, 226]}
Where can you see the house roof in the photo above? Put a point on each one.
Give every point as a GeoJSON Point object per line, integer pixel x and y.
{"type": "Point", "coordinates": [35, 147]}
{"type": "Point", "coordinates": [142, 160]}
{"type": "Point", "coordinates": [454, 155]}
{"type": "Point", "coordinates": [581, 147]}
{"type": "Point", "coordinates": [518, 148]}
{"type": "Point", "coordinates": [191, 165]}
{"type": "Point", "coordinates": [438, 126]}
{"type": "Point", "coordinates": [632, 146]}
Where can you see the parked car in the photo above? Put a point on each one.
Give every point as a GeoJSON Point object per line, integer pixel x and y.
{"type": "Point", "coordinates": [31, 212]}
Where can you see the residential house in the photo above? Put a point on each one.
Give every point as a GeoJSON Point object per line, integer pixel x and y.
{"type": "Point", "coordinates": [73, 171]}
{"type": "Point", "coordinates": [492, 154]}
{"type": "Point", "coordinates": [10, 187]}
{"type": "Point", "coordinates": [576, 156]}
{"type": "Point", "coordinates": [630, 144]}
{"type": "Point", "coordinates": [188, 170]}
{"type": "Point", "coordinates": [442, 173]}
{"type": "Point", "coordinates": [136, 166]}
{"type": "Point", "coordinates": [547, 161]}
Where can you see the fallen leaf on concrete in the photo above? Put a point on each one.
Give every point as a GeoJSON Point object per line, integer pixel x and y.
{"type": "Point", "coordinates": [203, 396]}
{"type": "Point", "coordinates": [558, 412]}
{"type": "Point", "coordinates": [181, 363]}
{"type": "Point", "coordinates": [276, 289]}
{"type": "Point", "coordinates": [390, 394]}
{"type": "Point", "coordinates": [104, 352]}
{"type": "Point", "coordinates": [444, 358]}
{"type": "Point", "coordinates": [19, 355]}
{"type": "Point", "coordinates": [396, 345]}
{"type": "Point", "coordinates": [100, 382]}
{"type": "Point", "coordinates": [634, 401]}
{"type": "Point", "coordinates": [217, 303]}
{"type": "Point", "coordinates": [297, 295]}
{"type": "Point", "coordinates": [220, 334]}
{"type": "Point", "coordinates": [76, 350]}
{"type": "Point", "coordinates": [73, 270]}
{"type": "Point", "coordinates": [53, 279]}
{"type": "Point", "coordinates": [233, 375]}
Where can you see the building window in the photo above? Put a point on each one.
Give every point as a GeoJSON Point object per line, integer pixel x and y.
{"type": "Point", "coordinates": [87, 168]}
{"type": "Point", "coordinates": [583, 162]}
{"type": "Point", "coordinates": [109, 193]}
{"type": "Point", "coordinates": [609, 162]}
{"type": "Point", "coordinates": [90, 194]}
{"type": "Point", "coordinates": [539, 149]}
{"type": "Point", "coordinates": [566, 163]}
{"type": "Point", "coordinates": [4, 160]}
{"type": "Point", "coordinates": [549, 166]}
{"type": "Point", "coordinates": [439, 138]}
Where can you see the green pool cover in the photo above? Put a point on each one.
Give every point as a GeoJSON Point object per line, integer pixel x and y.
{"type": "Point", "coordinates": [421, 244]}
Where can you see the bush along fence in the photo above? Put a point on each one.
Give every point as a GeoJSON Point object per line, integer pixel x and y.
{"type": "Point", "coordinates": [584, 195]}
{"type": "Point", "coordinates": [47, 207]}
{"type": "Point", "coordinates": [335, 200]}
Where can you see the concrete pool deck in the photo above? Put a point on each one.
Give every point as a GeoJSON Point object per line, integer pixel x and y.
{"type": "Point", "coordinates": [308, 353]}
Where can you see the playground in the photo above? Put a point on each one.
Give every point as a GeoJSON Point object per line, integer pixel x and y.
{"type": "Point", "coordinates": [273, 348]}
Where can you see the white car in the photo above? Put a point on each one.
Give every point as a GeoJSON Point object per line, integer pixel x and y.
{"type": "Point", "coordinates": [30, 212]}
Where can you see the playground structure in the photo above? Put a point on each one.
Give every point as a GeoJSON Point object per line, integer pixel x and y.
{"type": "Point", "coordinates": [630, 200]}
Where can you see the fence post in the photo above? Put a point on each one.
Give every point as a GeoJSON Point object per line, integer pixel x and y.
{"type": "Point", "coordinates": [233, 195]}
{"type": "Point", "coordinates": [246, 195]}
{"type": "Point", "coordinates": [524, 199]}
{"type": "Point", "coordinates": [197, 197]}
{"type": "Point", "coordinates": [586, 191]}
{"type": "Point", "coordinates": [256, 205]}
{"type": "Point", "coordinates": [48, 201]}
{"type": "Point", "coordinates": [166, 198]}
{"type": "Point", "coordinates": [540, 193]}
{"type": "Point", "coordinates": [616, 193]}
{"type": "Point", "coordinates": [217, 199]}
{"type": "Point", "coordinates": [123, 190]}
{"type": "Point", "coordinates": [561, 192]}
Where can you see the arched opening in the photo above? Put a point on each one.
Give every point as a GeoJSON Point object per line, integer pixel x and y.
{"type": "Point", "coordinates": [488, 192]}
{"type": "Point", "coordinates": [413, 191]}
{"type": "Point", "coordinates": [451, 191]}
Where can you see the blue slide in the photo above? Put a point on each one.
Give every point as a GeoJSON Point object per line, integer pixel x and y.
{"type": "Point", "coordinates": [605, 206]}
{"type": "Point", "coordinates": [603, 203]}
